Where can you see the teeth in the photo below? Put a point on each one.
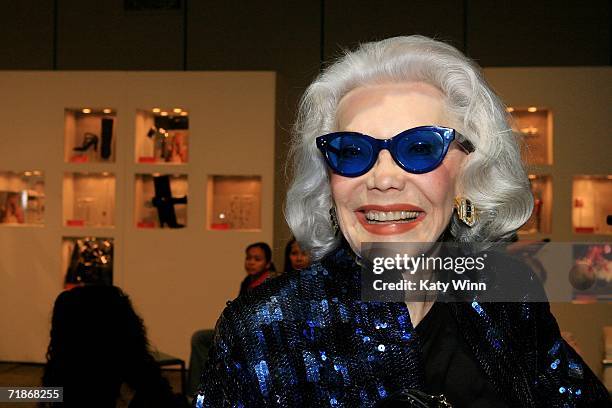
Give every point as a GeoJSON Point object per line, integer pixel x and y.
{"type": "Point", "coordinates": [382, 216]}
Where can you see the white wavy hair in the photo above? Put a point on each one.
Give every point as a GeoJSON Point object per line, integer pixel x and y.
{"type": "Point", "coordinates": [493, 178]}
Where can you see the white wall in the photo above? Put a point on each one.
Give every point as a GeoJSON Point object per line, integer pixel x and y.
{"type": "Point", "coordinates": [579, 99]}
{"type": "Point", "coordinates": [179, 280]}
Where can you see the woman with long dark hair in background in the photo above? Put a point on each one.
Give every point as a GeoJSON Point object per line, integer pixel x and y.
{"type": "Point", "coordinates": [99, 353]}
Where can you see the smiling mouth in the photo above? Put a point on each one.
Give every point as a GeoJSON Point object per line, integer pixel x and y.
{"type": "Point", "coordinates": [391, 217]}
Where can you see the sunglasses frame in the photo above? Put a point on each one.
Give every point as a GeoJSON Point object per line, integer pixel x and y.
{"type": "Point", "coordinates": [447, 135]}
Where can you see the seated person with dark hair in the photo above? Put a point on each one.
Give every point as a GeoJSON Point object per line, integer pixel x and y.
{"type": "Point", "coordinates": [99, 353]}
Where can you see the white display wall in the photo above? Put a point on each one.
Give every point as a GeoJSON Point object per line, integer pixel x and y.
{"type": "Point", "coordinates": [575, 161]}
{"type": "Point", "coordinates": [179, 279]}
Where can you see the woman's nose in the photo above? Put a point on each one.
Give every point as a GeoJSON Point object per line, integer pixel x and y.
{"type": "Point", "coordinates": [386, 174]}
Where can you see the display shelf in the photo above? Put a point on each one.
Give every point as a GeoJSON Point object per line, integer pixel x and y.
{"type": "Point", "coordinates": [592, 204]}
{"type": "Point", "coordinates": [87, 260]}
{"type": "Point", "coordinates": [162, 136]}
{"type": "Point", "coordinates": [89, 199]}
{"type": "Point", "coordinates": [22, 198]}
{"type": "Point", "coordinates": [234, 203]}
{"type": "Point", "coordinates": [89, 135]}
{"type": "Point", "coordinates": [535, 124]}
{"type": "Point", "coordinates": [541, 218]}
{"type": "Point", "coordinates": [160, 200]}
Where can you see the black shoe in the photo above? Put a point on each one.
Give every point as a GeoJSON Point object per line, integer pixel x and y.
{"type": "Point", "coordinates": [90, 140]}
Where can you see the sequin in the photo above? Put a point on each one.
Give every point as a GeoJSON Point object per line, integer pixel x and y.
{"type": "Point", "coordinates": [575, 369]}
{"type": "Point", "coordinates": [262, 372]}
{"type": "Point", "coordinates": [312, 368]}
{"type": "Point", "coordinates": [381, 391]}
{"type": "Point", "coordinates": [298, 342]}
{"type": "Point", "coordinates": [344, 315]}
{"type": "Point", "coordinates": [555, 364]}
{"type": "Point", "coordinates": [561, 390]}
{"type": "Point", "coordinates": [555, 348]}
{"type": "Point", "coordinates": [478, 308]}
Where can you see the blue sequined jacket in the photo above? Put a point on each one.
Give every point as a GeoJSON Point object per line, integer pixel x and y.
{"type": "Point", "coordinates": [305, 339]}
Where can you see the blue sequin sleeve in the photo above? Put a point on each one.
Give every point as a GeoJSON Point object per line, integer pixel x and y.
{"type": "Point", "coordinates": [226, 381]}
{"type": "Point", "coordinates": [563, 379]}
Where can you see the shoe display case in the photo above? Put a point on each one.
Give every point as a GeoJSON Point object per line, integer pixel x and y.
{"type": "Point", "coordinates": [124, 193]}
{"type": "Point", "coordinates": [234, 203]}
{"type": "Point", "coordinates": [87, 261]}
{"type": "Point", "coordinates": [160, 200]}
{"type": "Point", "coordinates": [89, 135]}
{"type": "Point", "coordinates": [162, 136]}
{"type": "Point", "coordinates": [541, 217]}
{"type": "Point", "coordinates": [22, 198]}
{"type": "Point", "coordinates": [535, 125]}
{"type": "Point", "coordinates": [592, 204]}
{"type": "Point", "coordinates": [89, 199]}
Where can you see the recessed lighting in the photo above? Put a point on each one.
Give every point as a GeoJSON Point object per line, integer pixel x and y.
{"type": "Point", "coordinates": [27, 173]}
{"type": "Point", "coordinates": [105, 173]}
{"type": "Point", "coordinates": [37, 173]}
{"type": "Point", "coordinates": [532, 109]}
{"type": "Point", "coordinates": [107, 110]}
{"type": "Point", "coordinates": [86, 110]}
{"type": "Point", "coordinates": [156, 110]}
{"type": "Point", "coordinates": [184, 113]}
{"type": "Point", "coordinates": [164, 113]}
{"type": "Point", "coordinates": [509, 109]}
{"type": "Point", "coordinates": [177, 110]}
{"type": "Point", "coordinates": [156, 174]}
{"type": "Point", "coordinates": [532, 176]}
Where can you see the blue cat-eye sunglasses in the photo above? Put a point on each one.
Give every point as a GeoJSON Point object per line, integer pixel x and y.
{"type": "Point", "coordinates": [417, 150]}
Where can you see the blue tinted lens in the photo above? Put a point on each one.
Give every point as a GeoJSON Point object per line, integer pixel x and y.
{"type": "Point", "coordinates": [349, 154]}
{"type": "Point", "coordinates": [420, 151]}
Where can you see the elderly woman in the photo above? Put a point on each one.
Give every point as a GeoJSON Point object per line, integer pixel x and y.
{"type": "Point", "coordinates": [398, 141]}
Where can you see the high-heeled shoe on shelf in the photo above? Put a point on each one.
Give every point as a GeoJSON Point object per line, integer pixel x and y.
{"type": "Point", "coordinates": [89, 140]}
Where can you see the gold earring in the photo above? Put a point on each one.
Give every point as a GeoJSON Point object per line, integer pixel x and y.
{"type": "Point", "coordinates": [466, 211]}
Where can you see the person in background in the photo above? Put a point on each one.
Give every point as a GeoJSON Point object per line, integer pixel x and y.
{"type": "Point", "coordinates": [296, 258]}
{"type": "Point", "coordinates": [100, 354]}
{"type": "Point", "coordinates": [258, 266]}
